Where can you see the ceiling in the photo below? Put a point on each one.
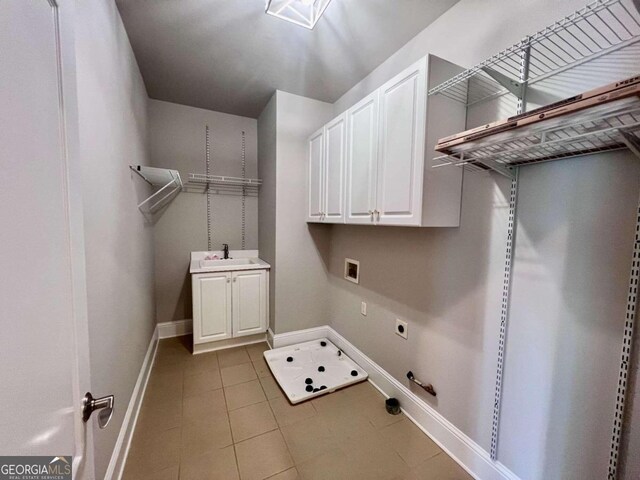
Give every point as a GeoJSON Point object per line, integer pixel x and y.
{"type": "Point", "coordinates": [229, 56]}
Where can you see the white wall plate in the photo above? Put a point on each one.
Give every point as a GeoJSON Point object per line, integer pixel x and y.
{"type": "Point", "coordinates": [352, 270]}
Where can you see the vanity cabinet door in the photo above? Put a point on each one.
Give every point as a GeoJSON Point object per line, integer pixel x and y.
{"type": "Point", "coordinates": [362, 160]}
{"type": "Point", "coordinates": [335, 134]}
{"type": "Point", "coordinates": [249, 302]}
{"type": "Point", "coordinates": [211, 307]}
{"type": "Point", "coordinates": [401, 148]}
{"type": "Point", "coordinates": [315, 177]}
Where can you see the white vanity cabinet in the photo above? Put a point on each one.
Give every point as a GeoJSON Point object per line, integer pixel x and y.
{"type": "Point", "coordinates": [229, 304]}
{"type": "Point", "coordinates": [249, 302]}
{"type": "Point", "coordinates": [390, 134]}
{"type": "Point", "coordinates": [326, 182]}
{"type": "Point", "coordinates": [211, 306]}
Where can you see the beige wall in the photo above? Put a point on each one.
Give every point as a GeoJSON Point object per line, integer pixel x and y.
{"type": "Point", "coordinates": [572, 261]}
{"type": "Point", "coordinates": [302, 250]}
{"type": "Point", "coordinates": [267, 205]}
{"type": "Point", "coordinates": [177, 141]}
{"type": "Point", "coordinates": [112, 110]}
{"type": "Point", "coordinates": [297, 252]}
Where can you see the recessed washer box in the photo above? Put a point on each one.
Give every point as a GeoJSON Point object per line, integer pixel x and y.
{"type": "Point", "coordinates": [308, 370]}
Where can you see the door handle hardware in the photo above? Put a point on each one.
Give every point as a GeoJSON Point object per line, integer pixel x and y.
{"type": "Point", "coordinates": [104, 404]}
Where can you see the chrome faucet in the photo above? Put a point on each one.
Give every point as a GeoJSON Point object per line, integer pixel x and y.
{"type": "Point", "coordinates": [225, 249]}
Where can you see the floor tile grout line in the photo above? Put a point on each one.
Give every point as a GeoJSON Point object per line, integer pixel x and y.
{"type": "Point", "coordinates": [378, 429]}
{"type": "Point", "coordinates": [280, 428]}
{"type": "Point", "coordinates": [233, 443]}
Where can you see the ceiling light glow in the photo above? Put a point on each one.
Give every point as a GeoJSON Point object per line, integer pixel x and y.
{"type": "Point", "coordinates": [305, 13]}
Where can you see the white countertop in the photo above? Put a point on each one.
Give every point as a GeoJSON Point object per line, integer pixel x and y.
{"type": "Point", "coordinates": [256, 263]}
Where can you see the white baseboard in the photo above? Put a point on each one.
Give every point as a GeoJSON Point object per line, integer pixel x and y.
{"type": "Point", "coordinates": [175, 329]}
{"type": "Point", "coordinates": [471, 456]}
{"type": "Point", "coordinates": [228, 343]}
{"type": "Point", "coordinates": [299, 336]}
{"type": "Point", "coordinates": [121, 448]}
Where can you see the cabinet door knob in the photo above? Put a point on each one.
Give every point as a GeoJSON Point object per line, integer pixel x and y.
{"type": "Point", "coordinates": [228, 280]}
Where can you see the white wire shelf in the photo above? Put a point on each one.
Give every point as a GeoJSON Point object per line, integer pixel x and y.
{"type": "Point", "coordinates": [604, 128]}
{"type": "Point", "coordinates": [225, 181]}
{"type": "Point", "coordinates": [597, 29]}
{"type": "Point", "coordinates": [168, 180]}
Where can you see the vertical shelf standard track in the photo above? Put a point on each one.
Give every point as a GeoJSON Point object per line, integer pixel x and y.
{"type": "Point", "coordinates": [504, 314]}
{"type": "Point", "coordinates": [525, 58]}
{"type": "Point", "coordinates": [244, 192]}
{"type": "Point", "coordinates": [208, 193]}
{"type": "Point", "coordinates": [625, 360]}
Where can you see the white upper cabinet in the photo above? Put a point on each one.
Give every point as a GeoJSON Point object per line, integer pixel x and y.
{"type": "Point", "coordinates": [362, 160]}
{"type": "Point", "coordinates": [401, 148]}
{"type": "Point", "coordinates": [316, 174]}
{"type": "Point", "coordinates": [386, 143]}
{"type": "Point", "coordinates": [335, 146]}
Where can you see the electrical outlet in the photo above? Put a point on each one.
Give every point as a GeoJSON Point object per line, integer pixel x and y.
{"type": "Point", "coordinates": [363, 308]}
{"type": "Point", "coordinates": [402, 328]}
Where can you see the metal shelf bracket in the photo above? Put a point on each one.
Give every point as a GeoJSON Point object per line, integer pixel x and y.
{"type": "Point", "coordinates": [510, 84]}
{"type": "Point", "coordinates": [631, 142]}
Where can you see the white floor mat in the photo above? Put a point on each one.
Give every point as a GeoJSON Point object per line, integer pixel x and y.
{"type": "Point", "coordinates": [311, 369]}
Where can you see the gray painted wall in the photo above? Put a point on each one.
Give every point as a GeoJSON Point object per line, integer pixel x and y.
{"type": "Point", "coordinates": [572, 262]}
{"type": "Point", "coordinates": [267, 169]}
{"type": "Point", "coordinates": [302, 251]}
{"type": "Point", "coordinates": [297, 252]}
{"type": "Point", "coordinates": [119, 245]}
{"type": "Point", "coordinates": [177, 141]}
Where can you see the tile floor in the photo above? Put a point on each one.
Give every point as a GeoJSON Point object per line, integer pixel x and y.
{"type": "Point", "coordinates": [222, 416]}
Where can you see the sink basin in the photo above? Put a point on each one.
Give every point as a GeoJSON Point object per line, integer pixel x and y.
{"type": "Point", "coordinates": [201, 262]}
{"type": "Point", "coordinates": [225, 263]}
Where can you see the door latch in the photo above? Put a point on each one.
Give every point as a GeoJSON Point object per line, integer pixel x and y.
{"type": "Point", "coordinates": [104, 404]}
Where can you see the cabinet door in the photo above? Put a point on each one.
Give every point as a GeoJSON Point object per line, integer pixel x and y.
{"type": "Point", "coordinates": [211, 307]}
{"type": "Point", "coordinates": [335, 132]}
{"type": "Point", "coordinates": [401, 154]}
{"type": "Point", "coordinates": [362, 159]}
{"type": "Point", "coordinates": [249, 302]}
{"type": "Point", "coordinates": [315, 176]}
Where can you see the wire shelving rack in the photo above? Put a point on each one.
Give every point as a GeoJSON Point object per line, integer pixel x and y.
{"type": "Point", "coordinates": [599, 28]}
{"type": "Point", "coordinates": [168, 180]}
{"type": "Point", "coordinates": [226, 185]}
{"type": "Point", "coordinates": [605, 128]}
